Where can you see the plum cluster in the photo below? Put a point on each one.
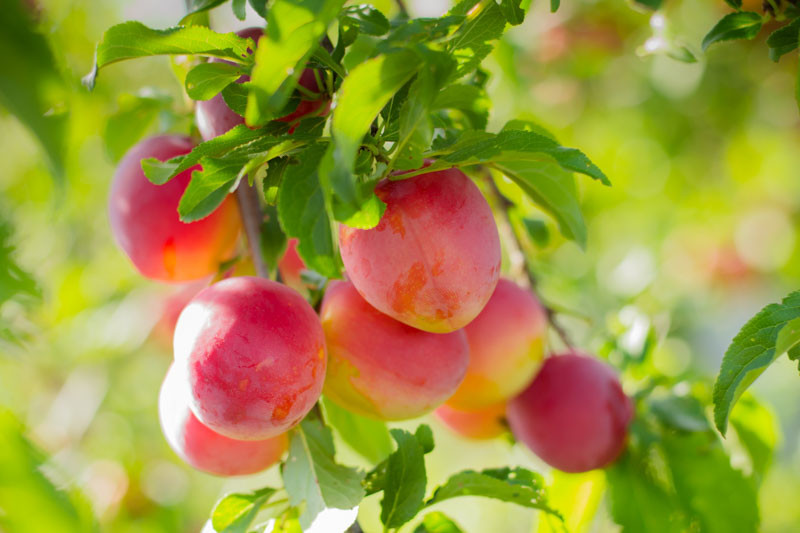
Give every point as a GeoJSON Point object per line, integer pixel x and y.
{"type": "Point", "coordinates": [423, 323]}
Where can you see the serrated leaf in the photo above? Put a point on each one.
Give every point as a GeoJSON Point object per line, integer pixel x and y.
{"type": "Point", "coordinates": [370, 438]}
{"type": "Point", "coordinates": [512, 146]}
{"type": "Point", "coordinates": [406, 480]}
{"type": "Point", "coordinates": [235, 513]}
{"type": "Point", "coordinates": [206, 80]}
{"type": "Point", "coordinates": [750, 353]}
{"type": "Point", "coordinates": [235, 96]}
{"type": "Point", "coordinates": [365, 19]}
{"type": "Point", "coordinates": [511, 9]}
{"type": "Point", "coordinates": [554, 190]}
{"type": "Point", "coordinates": [784, 40]}
{"type": "Point", "coordinates": [718, 497]}
{"type": "Point", "coordinates": [637, 502]}
{"type": "Point", "coordinates": [303, 214]}
{"type": "Point", "coordinates": [132, 39]}
{"type": "Point", "coordinates": [313, 478]}
{"type": "Point", "coordinates": [740, 25]}
{"type": "Point", "coordinates": [31, 84]}
{"type": "Point", "coordinates": [294, 29]}
{"type": "Point", "coordinates": [437, 522]}
{"type": "Point", "coordinates": [376, 479]}
{"type": "Point", "coordinates": [239, 8]}
{"type": "Point", "coordinates": [209, 187]}
{"type": "Point", "coordinates": [517, 485]}
{"type": "Point", "coordinates": [367, 89]}
{"type": "Point", "coordinates": [470, 44]}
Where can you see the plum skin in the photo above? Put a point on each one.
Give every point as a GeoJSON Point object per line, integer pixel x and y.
{"type": "Point", "coordinates": [145, 223]}
{"type": "Point", "coordinates": [480, 424]}
{"type": "Point", "coordinates": [381, 368]}
{"type": "Point", "coordinates": [433, 260]}
{"type": "Point", "coordinates": [574, 415]}
{"type": "Point", "coordinates": [254, 353]}
{"type": "Point", "coordinates": [201, 447]}
{"type": "Point", "coordinates": [506, 348]}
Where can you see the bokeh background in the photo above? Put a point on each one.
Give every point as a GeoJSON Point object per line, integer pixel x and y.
{"type": "Point", "coordinates": [698, 232]}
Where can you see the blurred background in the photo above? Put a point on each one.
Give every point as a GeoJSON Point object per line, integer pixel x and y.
{"type": "Point", "coordinates": [698, 232]}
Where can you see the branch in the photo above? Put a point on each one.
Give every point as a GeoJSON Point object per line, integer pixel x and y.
{"type": "Point", "coordinates": [518, 258]}
{"type": "Point", "coordinates": [401, 5]}
{"type": "Point", "coordinates": [355, 528]}
{"type": "Point", "coordinates": [252, 217]}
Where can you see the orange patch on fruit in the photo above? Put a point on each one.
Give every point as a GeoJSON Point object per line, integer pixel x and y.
{"type": "Point", "coordinates": [405, 290]}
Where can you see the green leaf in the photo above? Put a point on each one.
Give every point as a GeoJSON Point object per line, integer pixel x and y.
{"type": "Point", "coordinates": [294, 29]}
{"type": "Point", "coordinates": [376, 480]}
{"type": "Point", "coordinates": [750, 353]}
{"type": "Point", "coordinates": [784, 40]}
{"type": "Point", "coordinates": [637, 502]}
{"type": "Point", "coordinates": [470, 44]}
{"type": "Point", "coordinates": [554, 5]}
{"type": "Point", "coordinates": [757, 429]}
{"type": "Point", "coordinates": [718, 497]}
{"type": "Point", "coordinates": [239, 8]}
{"type": "Point", "coordinates": [554, 190]}
{"type": "Point", "coordinates": [209, 187]}
{"type": "Point", "coordinates": [517, 485]}
{"type": "Point", "coordinates": [15, 282]}
{"type": "Point", "coordinates": [132, 39]}
{"type": "Point", "coordinates": [273, 240]}
{"type": "Point", "coordinates": [735, 4]}
{"type": "Point", "coordinates": [406, 480]}
{"type": "Point", "coordinates": [259, 6]}
{"type": "Point", "coordinates": [303, 214]}
{"type": "Point", "coordinates": [437, 522]}
{"type": "Point", "coordinates": [740, 25]}
{"type": "Point", "coordinates": [470, 100]}
{"type": "Point", "coordinates": [681, 53]}
{"type": "Point", "coordinates": [30, 502]}
{"type": "Point", "coordinates": [365, 19]}
{"type": "Point", "coordinates": [235, 513]}
{"type": "Point", "coordinates": [653, 5]}
{"type": "Point", "coordinates": [513, 12]}
{"type": "Point", "coordinates": [512, 146]}
{"type": "Point", "coordinates": [684, 413]}
{"type": "Point", "coordinates": [206, 80]}
{"type": "Point", "coordinates": [31, 84]}
{"type": "Point", "coordinates": [235, 96]}
{"type": "Point", "coordinates": [312, 477]}
{"type": "Point", "coordinates": [367, 89]}
{"type": "Point", "coordinates": [536, 230]}
{"type": "Point", "coordinates": [196, 6]}
{"type": "Point", "coordinates": [131, 121]}
{"type": "Point", "coordinates": [370, 438]}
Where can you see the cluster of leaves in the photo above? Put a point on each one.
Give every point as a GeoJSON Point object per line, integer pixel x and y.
{"type": "Point", "coordinates": [15, 283]}
{"type": "Point", "coordinates": [403, 91]}
{"type": "Point", "coordinates": [748, 24]}
{"type": "Point", "coordinates": [314, 483]}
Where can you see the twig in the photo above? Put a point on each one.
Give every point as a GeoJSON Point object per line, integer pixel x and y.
{"type": "Point", "coordinates": [401, 5]}
{"type": "Point", "coordinates": [518, 256]}
{"type": "Point", "coordinates": [252, 217]}
{"type": "Point", "coordinates": [355, 528]}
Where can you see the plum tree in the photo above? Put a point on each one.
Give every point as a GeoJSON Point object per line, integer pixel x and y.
{"type": "Point", "coordinates": [382, 368]}
{"type": "Point", "coordinates": [433, 261]}
{"type": "Point", "coordinates": [145, 223]}
{"type": "Point", "coordinates": [203, 448]}
{"type": "Point", "coordinates": [574, 415]}
{"type": "Point", "coordinates": [254, 353]}
{"type": "Point", "coordinates": [506, 348]}
{"type": "Point", "coordinates": [486, 423]}
{"type": "Point", "coordinates": [214, 117]}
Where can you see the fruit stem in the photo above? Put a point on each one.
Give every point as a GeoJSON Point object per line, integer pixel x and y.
{"type": "Point", "coordinates": [504, 204]}
{"type": "Point", "coordinates": [252, 217]}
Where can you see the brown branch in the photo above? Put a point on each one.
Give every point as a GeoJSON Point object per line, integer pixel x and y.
{"type": "Point", "coordinates": [517, 254]}
{"type": "Point", "coordinates": [252, 217]}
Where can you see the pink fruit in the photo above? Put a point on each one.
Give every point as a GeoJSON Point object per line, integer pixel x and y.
{"type": "Point", "coordinates": [574, 415]}
{"type": "Point", "coordinates": [382, 368]}
{"type": "Point", "coordinates": [254, 352]}
{"type": "Point", "coordinates": [145, 223]}
{"type": "Point", "coordinates": [203, 448]}
{"type": "Point", "coordinates": [486, 423]}
{"type": "Point", "coordinates": [433, 261]}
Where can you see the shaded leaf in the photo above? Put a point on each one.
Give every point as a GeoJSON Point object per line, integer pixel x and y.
{"type": "Point", "coordinates": [784, 40]}
{"type": "Point", "coordinates": [740, 25]}
{"type": "Point", "coordinates": [370, 438]}
{"type": "Point", "coordinates": [437, 522]}
{"type": "Point", "coordinates": [406, 480]}
{"type": "Point", "coordinates": [750, 353]}
{"type": "Point", "coordinates": [206, 80]}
